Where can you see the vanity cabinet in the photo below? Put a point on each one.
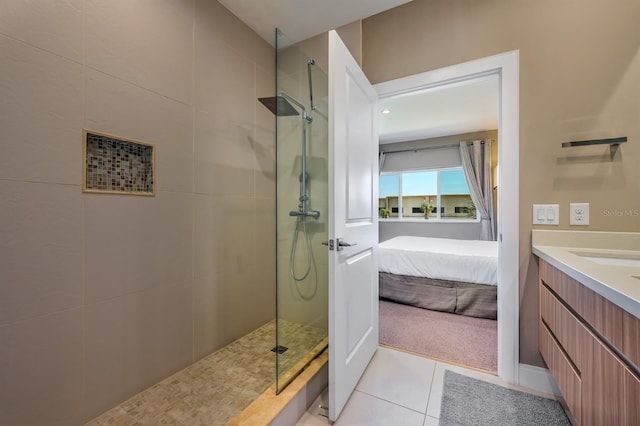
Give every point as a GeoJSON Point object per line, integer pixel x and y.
{"type": "Point", "coordinates": [582, 337]}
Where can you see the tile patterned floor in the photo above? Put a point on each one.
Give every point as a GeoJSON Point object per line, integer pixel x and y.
{"type": "Point", "coordinates": [300, 339]}
{"type": "Point", "coordinates": [397, 388]}
{"type": "Point", "coordinates": [218, 387]}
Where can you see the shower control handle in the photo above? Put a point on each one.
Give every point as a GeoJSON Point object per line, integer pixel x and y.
{"type": "Point", "coordinates": [313, 213]}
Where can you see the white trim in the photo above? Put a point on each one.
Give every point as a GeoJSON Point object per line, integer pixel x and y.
{"type": "Point", "coordinates": [506, 66]}
{"type": "Point", "coordinates": [416, 219]}
{"type": "Point", "coordinates": [537, 378]}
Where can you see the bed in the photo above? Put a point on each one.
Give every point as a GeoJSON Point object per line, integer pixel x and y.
{"type": "Point", "coordinates": [457, 276]}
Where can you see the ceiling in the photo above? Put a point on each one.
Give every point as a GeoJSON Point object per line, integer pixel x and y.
{"type": "Point", "coordinates": [453, 109]}
{"type": "Point", "coordinates": [301, 19]}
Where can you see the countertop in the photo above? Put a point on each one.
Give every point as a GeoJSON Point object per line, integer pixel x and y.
{"type": "Point", "coordinates": [618, 284]}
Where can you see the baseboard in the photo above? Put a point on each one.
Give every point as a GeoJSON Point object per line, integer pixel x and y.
{"type": "Point", "coordinates": [537, 378]}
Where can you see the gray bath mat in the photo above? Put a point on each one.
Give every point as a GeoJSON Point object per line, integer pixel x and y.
{"type": "Point", "coordinates": [467, 401]}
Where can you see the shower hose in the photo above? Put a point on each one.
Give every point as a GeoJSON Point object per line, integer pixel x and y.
{"type": "Point", "coordinates": [300, 220]}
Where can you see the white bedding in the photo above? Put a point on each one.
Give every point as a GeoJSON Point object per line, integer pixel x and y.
{"type": "Point", "coordinates": [470, 261]}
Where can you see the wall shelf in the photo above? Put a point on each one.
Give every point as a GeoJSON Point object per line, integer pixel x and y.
{"type": "Point", "coordinates": [117, 165]}
{"type": "Point", "coordinates": [611, 142]}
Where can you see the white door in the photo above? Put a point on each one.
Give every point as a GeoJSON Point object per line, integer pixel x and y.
{"type": "Point", "coordinates": [353, 224]}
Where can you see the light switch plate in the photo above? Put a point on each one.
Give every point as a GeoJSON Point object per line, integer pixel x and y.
{"type": "Point", "coordinates": [578, 213]}
{"type": "Point", "coordinates": [546, 214]}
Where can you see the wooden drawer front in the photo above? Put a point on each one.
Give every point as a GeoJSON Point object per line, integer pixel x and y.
{"type": "Point", "coordinates": [603, 379]}
{"type": "Point", "coordinates": [632, 398]}
{"type": "Point", "coordinates": [569, 332]}
{"type": "Point", "coordinates": [563, 285]}
{"type": "Point", "coordinates": [631, 340]}
{"type": "Point", "coordinates": [601, 314]}
{"type": "Point", "coordinates": [566, 377]}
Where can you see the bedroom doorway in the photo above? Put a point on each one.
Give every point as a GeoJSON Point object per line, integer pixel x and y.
{"type": "Point", "coordinates": [505, 67]}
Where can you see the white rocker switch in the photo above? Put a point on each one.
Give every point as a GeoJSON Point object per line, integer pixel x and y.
{"type": "Point", "coordinates": [545, 214]}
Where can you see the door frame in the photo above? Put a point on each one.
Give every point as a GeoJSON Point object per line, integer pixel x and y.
{"type": "Point", "coordinates": [506, 67]}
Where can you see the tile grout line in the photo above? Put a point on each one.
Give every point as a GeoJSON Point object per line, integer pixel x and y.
{"type": "Point", "coordinates": [430, 392]}
{"type": "Point", "coordinates": [84, 398]}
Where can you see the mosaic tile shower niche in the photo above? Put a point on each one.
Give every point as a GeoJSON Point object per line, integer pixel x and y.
{"type": "Point", "coordinates": [117, 165]}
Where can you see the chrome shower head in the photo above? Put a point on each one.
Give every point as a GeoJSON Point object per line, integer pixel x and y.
{"type": "Point", "coordinates": [279, 106]}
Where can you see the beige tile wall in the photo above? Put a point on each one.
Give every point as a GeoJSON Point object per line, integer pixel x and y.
{"type": "Point", "coordinates": [104, 295]}
{"type": "Point", "coordinates": [43, 91]}
{"type": "Point", "coordinates": [42, 379]}
{"type": "Point", "coordinates": [578, 73]}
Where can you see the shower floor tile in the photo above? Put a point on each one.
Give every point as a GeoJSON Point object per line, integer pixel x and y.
{"type": "Point", "coordinates": [218, 387]}
{"type": "Point", "coordinates": [300, 339]}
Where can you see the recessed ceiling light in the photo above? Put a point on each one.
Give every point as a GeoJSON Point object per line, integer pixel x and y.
{"type": "Point", "coordinates": [386, 111]}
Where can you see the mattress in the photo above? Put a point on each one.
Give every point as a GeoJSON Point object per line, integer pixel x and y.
{"type": "Point", "coordinates": [470, 261]}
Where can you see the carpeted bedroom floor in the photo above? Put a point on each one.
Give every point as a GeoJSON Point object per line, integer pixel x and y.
{"type": "Point", "coordinates": [458, 339]}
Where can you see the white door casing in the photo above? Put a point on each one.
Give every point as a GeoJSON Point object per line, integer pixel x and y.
{"type": "Point", "coordinates": [353, 219]}
{"type": "Point", "coordinates": [506, 66]}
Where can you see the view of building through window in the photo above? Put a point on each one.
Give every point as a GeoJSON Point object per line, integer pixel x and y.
{"type": "Point", "coordinates": [438, 194]}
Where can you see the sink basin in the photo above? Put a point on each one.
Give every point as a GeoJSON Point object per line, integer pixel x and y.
{"type": "Point", "coordinates": [611, 259]}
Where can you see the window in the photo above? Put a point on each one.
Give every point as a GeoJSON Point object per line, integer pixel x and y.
{"type": "Point", "coordinates": [389, 190]}
{"type": "Point", "coordinates": [438, 193]}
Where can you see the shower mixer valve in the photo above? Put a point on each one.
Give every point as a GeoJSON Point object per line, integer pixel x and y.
{"type": "Point", "coordinates": [313, 213]}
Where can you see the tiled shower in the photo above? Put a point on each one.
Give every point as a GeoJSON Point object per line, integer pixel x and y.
{"type": "Point", "coordinates": [104, 295]}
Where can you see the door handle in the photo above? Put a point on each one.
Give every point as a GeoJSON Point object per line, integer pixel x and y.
{"type": "Point", "coordinates": [341, 244]}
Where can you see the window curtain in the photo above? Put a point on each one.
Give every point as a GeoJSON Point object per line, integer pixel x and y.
{"type": "Point", "coordinates": [420, 158]}
{"type": "Point", "coordinates": [381, 157]}
{"type": "Point", "coordinates": [476, 163]}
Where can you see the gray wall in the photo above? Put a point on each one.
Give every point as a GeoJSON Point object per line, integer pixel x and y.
{"type": "Point", "coordinates": [461, 231]}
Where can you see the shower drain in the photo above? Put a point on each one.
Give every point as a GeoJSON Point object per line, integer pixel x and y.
{"type": "Point", "coordinates": [280, 349]}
